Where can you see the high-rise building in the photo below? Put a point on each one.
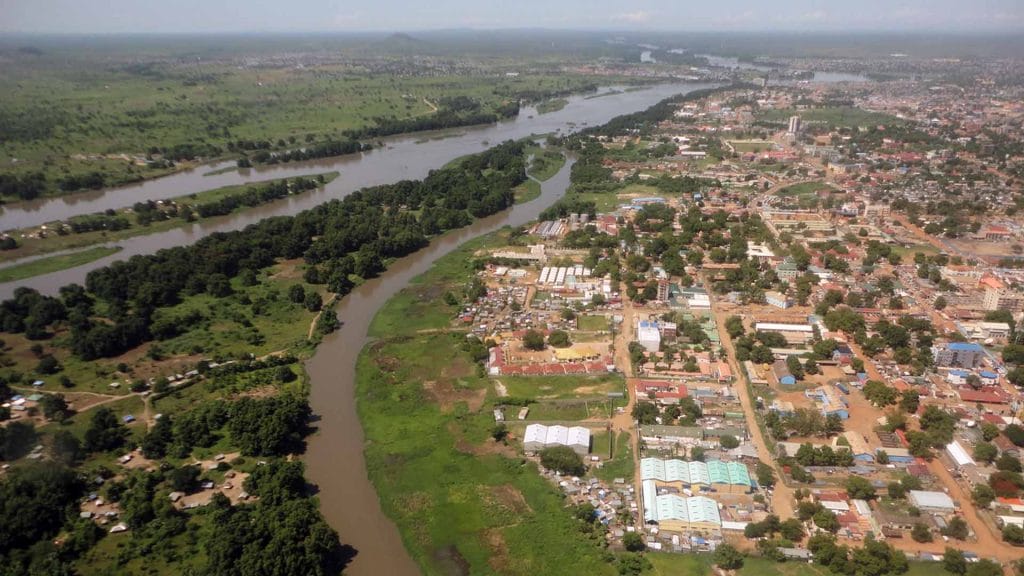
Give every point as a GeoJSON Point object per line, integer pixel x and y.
{"type": "Point", "coordinates": [794, 124]}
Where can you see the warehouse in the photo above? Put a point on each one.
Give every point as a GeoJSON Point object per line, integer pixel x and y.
{"type": "Point", "coordinates": [793, 333]}
{"type": "Point", "coordinates": [729, 477]}
{"type": "Point", "coordinates": [959, 454]}
{"type": "Point", "coordinates": [539, 437]}
{"type": "Point", "coordinates": [676, 513]}
{"type": "Point", "coordinates": [930, 501]}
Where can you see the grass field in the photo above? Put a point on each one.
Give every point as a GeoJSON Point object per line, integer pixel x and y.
{"type": "Point", "coordinates": [55, 263]}
{"type": "Point", "coordinates": [802, 189]}
{"type": "Point", "coordinates": [742, 146]}
{"type": "Point", "coordinates": [593, 323]}
{"type": "Point", "coordinates": [32, 245]}
{"type": "Point", "coordinates": [71, 115]}
{"type": "Point", "coordinates": [621, 463]}
{"type": "Point", "coordinates": [551, 105]}
{"type": "Point", "coordinates": [837, 116]}
{"type": "Point", "coordinates": [462, 502]}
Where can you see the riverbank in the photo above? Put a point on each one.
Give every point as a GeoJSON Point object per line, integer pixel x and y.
{"type": "Point", "coordinates": [46, 239]}
{"type": "Point", "coordinates": [464, 502]}
{"type": "Point", "coordinates": [55, 263]}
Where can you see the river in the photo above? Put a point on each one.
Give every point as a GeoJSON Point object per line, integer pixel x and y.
{"type": "Point", "coordinates": [407, 157]}
{"type": "Point", "coordinates": [334, 456]}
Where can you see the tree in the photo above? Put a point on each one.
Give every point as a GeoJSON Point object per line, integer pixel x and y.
{"type": "Point", "coordinates": [826, 521]}
{"type": "Point", "coordinates": [533, 340]}
{"type": "Point", "coordinates": [910, 401]}
{"type": "Point", "coordinates": [921, 533]}
{"type": "Point", "coordinates": [559, 339]}
{"type": "Point", "coordinates": [1013, 534]}
{"type": "Point", "coordinates": [765, 475]}
{"type": "Point", "coordinates": [499, 432]}
{"type": "Point", "coordinates": [1015, 433]}
{"type": "Point", "coordinates": [563, 460]}
{"type": "Point", "coordinates": [645, 412]}
{"type": "Point", "coordinates": [811, 366]}
{"type": "Point", "coordinates": [859, 488]}
{"type": "Point", "coordinates": [55, 407]}
{"type": "Point", "coordinates": [728, 442]}
{"type": "Point", "coordinates": [985, 567]}
{"type": "Point", "coordinates": [66, 448]}
{"type": "Point", "coordinates": [795, 367]}
{"type": "Point", "coordinates": [792, 530]}
{"type": "Point", "coordinates": [1009, 463]}
{"type": "Point", "coordinates": [957, 528]}
{"type": "Point", "coordinates": [734, 326]}
{"type": "Point", "coordinates": [985, 451]}
{"type": "Point", "coordinates": [940, 303]}
{"type": "Point", "coordinates": [105, 432]}
{"type": "Point", "coordinates": [313, 302]}
{"type": "Point", "coordinates": [634, 542]}
{"type": "Point", "coordinates": [954, 562]}
{"type": "Point", "coordinates": [983, 495]}
{"type": "Point", "coordinates": [158, 439]}
{"type": "Point", "coordinates": [727, 557]}
{"type": "Point", "coordinates": [989, 431]}
{"type": "Point", "coordinates": [184, 478]}
{"type": "Point", "coordinates": [48, 365]}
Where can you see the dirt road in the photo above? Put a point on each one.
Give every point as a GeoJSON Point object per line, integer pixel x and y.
{"type": "Point", "coordinates": [988, 544]}
{"type": "Point", "coordinates": [624, 422]}
{"type": "Point", "coordinates": [782, 496]}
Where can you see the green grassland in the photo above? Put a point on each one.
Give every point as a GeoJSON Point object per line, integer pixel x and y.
{"type": "Point", "coordinates": [832, 116]}
{"type": "Point", "coordinates": [742, 146]}
{"type": "Point", "coordinates": [621, 463]}
{"type": "Point", "coordinates": [701, 565]}
{"type": "Point", "coordinates": [546, 162]}
{"type": "Point", "coordinates": [33, 245]}
{"type": "Point", "coordinates": [256, 319]}
{"type": "Point", "coordinates": [593, 323]}
{"type": "Point", "coordinates": [803, 189]}
{"type": "Point", "coordinates": [551, 105]}
{"type": "Point", "coordinates": [55, 263]}
{"type": "Point", "coordinates": [460, 499]}
{"type": "Point", "coordinates": [70, 115]}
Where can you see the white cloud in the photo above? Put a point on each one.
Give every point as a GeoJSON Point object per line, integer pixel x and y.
{"type": "Point", "coordinates": [638, 17]}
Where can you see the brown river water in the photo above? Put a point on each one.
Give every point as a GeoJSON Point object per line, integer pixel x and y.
{"type": "Point", "coordinates": [334, 456]}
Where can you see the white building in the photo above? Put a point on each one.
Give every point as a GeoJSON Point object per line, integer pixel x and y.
{"type": "Point", "coordinates": [539, 437]}
{"type": "Point", "coordinates": [931, 501]}
{"type": "Point", "coordinates": [648, 335]}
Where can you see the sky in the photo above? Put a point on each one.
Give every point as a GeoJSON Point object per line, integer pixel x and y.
{"type": "Point", "coordinates": [152, 16]}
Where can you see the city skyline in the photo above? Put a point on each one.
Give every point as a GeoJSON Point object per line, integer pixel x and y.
{"type": "Point", "coordinates": [123, 16]}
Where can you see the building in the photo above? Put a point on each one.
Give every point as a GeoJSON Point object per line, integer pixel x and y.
{"type": "Point", "coordinates": [674, 513]}
{"type": "Point", "coordinates": [930, 501]}
{"type": "Point", "coordinates": [782, 374]}
{"type": "Point", "coordinates": [663, 291]}
{"type": "Point", "coordinates": [794, 124]}
{"type": "Point", "coordinates": [858, 447]}
{"type": "Point", "coordinates": [829, 401]}
{"type": "Point", "coordinates": [714, 475]}
{"type": "Point", "coordinates": [985, 330]}
{"type": "Point", "coordinates": [778, 299]}
{"type": "Point", "coordinates": [959, 455]}
{"type": "Point", "coordinates": [648, 335]}
{"type": "Point", "coordinates": [787, 270]}
{"type": "Point", "coordinates": [793, 333]}
{"type": "Point", "coordinates": [759, 252]}
{"type": "Point", "coordinates": [1002, 299]}
{"type": "Point", "coordinates": [539, 437]}
{"type": "Point", "coordinates": [960, 354]}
